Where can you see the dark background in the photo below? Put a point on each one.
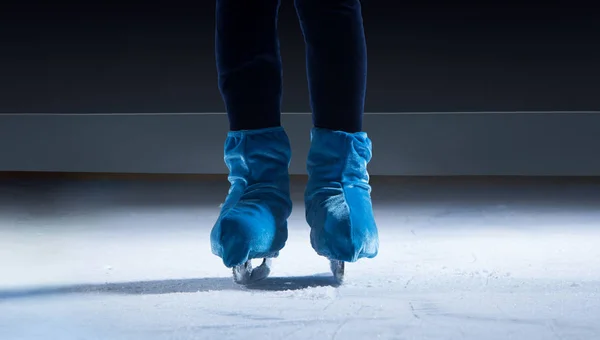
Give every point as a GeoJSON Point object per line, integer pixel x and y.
{"type": "Point", "coordinates": [125, 57]}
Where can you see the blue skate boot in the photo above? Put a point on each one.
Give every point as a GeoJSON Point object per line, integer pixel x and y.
{"type": "Point", "coordinates": [338, 198]}
{"type": "Point", "coordinates": [253, 219]}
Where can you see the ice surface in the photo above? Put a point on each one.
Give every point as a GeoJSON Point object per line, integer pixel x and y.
{"type": "Point", "coordinates": [457, 261]}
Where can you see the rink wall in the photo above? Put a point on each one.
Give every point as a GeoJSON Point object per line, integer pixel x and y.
{"type": "Point", "coordinates": [416, 144]}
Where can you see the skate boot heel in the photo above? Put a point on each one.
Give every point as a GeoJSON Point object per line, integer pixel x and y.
{"type": "Point", "coordinates": [252, 223]}
{"type": "Point", "coordinates": [338, 198]}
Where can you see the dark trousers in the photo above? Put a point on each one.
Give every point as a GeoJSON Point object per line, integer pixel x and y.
{"type": "Point", "coordinates": [250, 69]}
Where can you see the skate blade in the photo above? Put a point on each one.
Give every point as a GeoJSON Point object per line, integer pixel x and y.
{"type": "Point", "coordinates": [244, 274]}
{"type": "Point", "coordinates": [337, 269]}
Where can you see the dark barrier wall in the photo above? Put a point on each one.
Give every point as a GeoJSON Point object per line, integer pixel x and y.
{"type": "Point", "coordinates": [157, 56]}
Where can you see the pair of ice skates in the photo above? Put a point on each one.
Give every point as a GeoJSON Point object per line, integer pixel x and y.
{"type": "Point", "coordinates": [253, 219]}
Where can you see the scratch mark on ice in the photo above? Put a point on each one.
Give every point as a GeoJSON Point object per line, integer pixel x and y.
{"type": "Point", "coordinates": [408, 282]}
{"type": "Point", "coordinates": [412, 309]}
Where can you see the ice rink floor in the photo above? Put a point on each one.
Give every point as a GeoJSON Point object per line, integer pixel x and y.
{"type": "Point", "coordinates": [459, 259]}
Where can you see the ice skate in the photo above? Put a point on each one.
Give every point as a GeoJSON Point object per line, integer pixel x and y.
{"type": "Point", "coordinates": [253, 220]}
{"type": "Point", "coordinates": [337, 198]}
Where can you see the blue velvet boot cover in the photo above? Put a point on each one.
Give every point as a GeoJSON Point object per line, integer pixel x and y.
{"type": "Point", "coordinates": [338, 196]}
{"type": "Point", "coordinates": [253, 219]}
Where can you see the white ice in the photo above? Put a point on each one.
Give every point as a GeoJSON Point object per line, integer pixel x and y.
{"type": "Point", "coordinates": [459, 259]}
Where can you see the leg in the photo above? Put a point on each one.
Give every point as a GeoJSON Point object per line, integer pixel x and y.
{"type": "Point", "coordinates": [249, 62]}
{"type": "Point", "coordinates": [337, 196]}
{"type": "Point", "coordinates": [253, 219]}
{"type": "Point", "coordinates": [336, 55]}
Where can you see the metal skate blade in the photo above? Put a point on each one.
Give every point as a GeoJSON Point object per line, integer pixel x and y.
{"type": "Point", "coordinates": [337, 269]}
{"type": "Point", "coordinates": [244, 274]}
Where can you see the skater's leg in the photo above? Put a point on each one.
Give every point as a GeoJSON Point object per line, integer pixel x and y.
{"type": "Point", "coordinates": [337, 196]}
{"type": "Point", "coordinates": [249, 62]}
{"type": "Point", "coordinates": [253, 219]}
{"type": "Point", "coordinates": [336, 56]}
